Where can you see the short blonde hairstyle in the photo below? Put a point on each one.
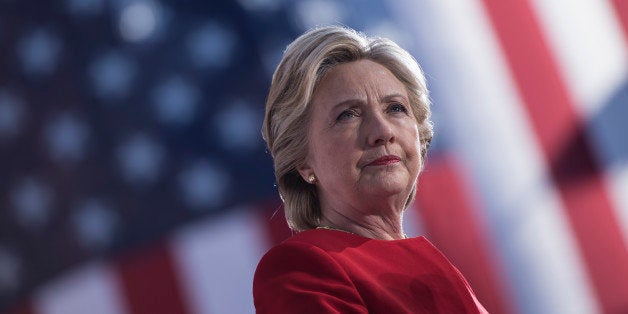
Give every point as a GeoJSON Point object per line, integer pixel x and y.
{"type": "Point", "coordinates": [285, 129]}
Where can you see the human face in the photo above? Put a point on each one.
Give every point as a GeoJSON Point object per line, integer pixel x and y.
{"type": "Point", "coordinates": [364, 145]}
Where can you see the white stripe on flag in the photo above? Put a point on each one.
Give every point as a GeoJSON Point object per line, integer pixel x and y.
{"type": "Point", "coordinates": [412, 224]}
{"type": "Point", "coordinates": [588, 42]}
{"type": "Point", "coordinates": [618, 180]}
{"type": "Point", "coordinates": [216, 260]}
{"type": "Point", "coordinates": [93, 289]}
{"type": "Point", "coordinates": [588, 39]}
{"type": "Point", "coordinates": [495, 141]}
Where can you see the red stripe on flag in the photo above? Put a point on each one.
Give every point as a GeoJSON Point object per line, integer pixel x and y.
{"type": "Point", "coordinates": [21, 308]}
{"type": "Point", "coordinates": [621, 9]}
{"type": "Point", "coordinates": [448, 214]}
{"type": "Point", "coordinates": [562, 138]}
{"type": "Point", "coordinates": [274, 219]}
{"type": "Point", "coordinates": [149, 282]}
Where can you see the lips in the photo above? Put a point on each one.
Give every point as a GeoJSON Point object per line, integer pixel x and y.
{"type": "Point", "coordinates": [384, 161]}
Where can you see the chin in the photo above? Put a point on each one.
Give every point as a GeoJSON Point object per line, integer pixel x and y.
{"type": "Point", "coordinates": [395, 181]}
{"type": "Point", "coordinates": [388, 187]}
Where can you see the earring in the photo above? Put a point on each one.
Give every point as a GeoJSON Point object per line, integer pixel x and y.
{"type": "Point", "coordinates": [311, 179]}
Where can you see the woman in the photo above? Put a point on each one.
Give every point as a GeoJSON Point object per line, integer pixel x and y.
{"type": "Point", "coordinates": [348, 125]}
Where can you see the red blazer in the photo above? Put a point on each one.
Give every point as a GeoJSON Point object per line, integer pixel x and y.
{"type": "Point", "coordinates": [329, 271]}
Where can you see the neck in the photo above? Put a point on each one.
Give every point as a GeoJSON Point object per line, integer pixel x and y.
{"type": "Point", "coordinates": [374, 227]}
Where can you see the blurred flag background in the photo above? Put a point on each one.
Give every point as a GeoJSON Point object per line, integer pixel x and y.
{"type": "Point", "coordinates": [133, 177]}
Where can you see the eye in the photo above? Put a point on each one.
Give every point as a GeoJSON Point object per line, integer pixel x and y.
{"type": "Point", "coordinates": [397, 107]}
{"type": "Point", "coordinates": [347, 114]}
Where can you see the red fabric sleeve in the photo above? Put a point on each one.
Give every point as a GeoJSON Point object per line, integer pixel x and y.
{"type": "Point", "coordinates": [300, 278]}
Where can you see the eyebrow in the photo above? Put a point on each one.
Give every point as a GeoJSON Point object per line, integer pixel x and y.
{"type": "Point", "coordinates": [391, 96]}
{"type": "Point", "coordinates": [356, 100]}
{"type": "Point", "coordinates": [346, 102]}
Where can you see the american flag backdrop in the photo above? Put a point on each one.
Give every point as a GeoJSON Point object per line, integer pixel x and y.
{"type": "Point", "coordinates": [133, 176]}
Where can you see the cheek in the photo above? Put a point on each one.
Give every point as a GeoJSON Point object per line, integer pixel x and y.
{"type": "Point", "coordinates": [413, 148]}
{"type": "Point", "coordinates": [337, 158]}
{"type": "Point", "coordinates": [338, 155]}
{"type": "Point", "coordinates": [329, 153]}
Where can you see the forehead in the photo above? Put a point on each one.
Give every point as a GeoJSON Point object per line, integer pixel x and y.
{"type": "Point", "coordinates": [358, 79]}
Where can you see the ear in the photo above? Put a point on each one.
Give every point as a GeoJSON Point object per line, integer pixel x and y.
{"type": "Point", "coordinates": [305, 171]}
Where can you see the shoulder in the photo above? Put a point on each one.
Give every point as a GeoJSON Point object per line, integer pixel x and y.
{"type": "Point", "coordinates": [291, 258]}
{"type": "Point", "coordinates": [296, 275]}
{"type": "Point", "coordinates": [313, 250]}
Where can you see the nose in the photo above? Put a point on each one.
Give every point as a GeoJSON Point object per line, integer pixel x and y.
{"type": "Point", "coordinates": [379, 131]}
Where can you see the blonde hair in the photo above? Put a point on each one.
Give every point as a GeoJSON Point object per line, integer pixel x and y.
{"type": "Point", "coordinates": [305, 62]}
